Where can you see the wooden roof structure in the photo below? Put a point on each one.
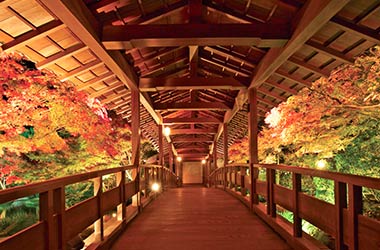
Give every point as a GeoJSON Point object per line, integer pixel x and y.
{"type": "Point", "coordinates": [191, 61]}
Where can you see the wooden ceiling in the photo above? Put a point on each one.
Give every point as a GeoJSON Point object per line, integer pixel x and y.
{"type": "Point", "coordinates": [192, 61]}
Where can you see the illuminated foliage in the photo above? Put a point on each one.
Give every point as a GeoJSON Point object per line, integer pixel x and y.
{"type": "Point", "coordinates": [48, 128]}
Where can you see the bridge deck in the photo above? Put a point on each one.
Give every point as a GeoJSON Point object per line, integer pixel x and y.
{"type": "Point", "coordinates": [198, 218]}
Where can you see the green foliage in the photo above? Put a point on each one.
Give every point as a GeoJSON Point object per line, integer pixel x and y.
{"type": "Point", "coordinates": [16, 221]}
{"type": "Point", "coordinates": [78, 192]}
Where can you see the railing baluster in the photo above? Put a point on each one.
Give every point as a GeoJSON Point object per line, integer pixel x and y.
{"type": "Point", "coordinates": [297, 221]}
{"type": "Point", "coordinates": [340, 195]}
{"type": "Point", "coordinates": [355, 208]}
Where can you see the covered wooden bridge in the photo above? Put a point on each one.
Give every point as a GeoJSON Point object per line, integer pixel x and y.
{"type": "Point", "coordinates": [209, 70]}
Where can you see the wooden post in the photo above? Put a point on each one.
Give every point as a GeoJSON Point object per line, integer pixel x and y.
{"type": "Point", "coordinates": [46, 215]}
{"type": "Point", "coordinates": [355, 208]}
{"type": "Point", "coordinates": [271, 179]}
{"type": "Point", "coordinates": [297, 221]}
{"type": "Point", "coordinates": [99, 225]}
{"type": "Point", "coordinates": [340, 195]}
{"type": "Point", "coordinates": [225, 154]}
{"type": "Point", "coordinates": [121, 209]}
{"type": "Point", "coordinates": [253, 147]}
{"type": "Point", "coordinates": [59, 209]}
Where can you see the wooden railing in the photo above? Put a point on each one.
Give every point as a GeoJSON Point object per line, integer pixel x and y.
{"type": "Point", "coordinates": [343, 219]}
{"type": "Point", "coordinates": [58, 225]}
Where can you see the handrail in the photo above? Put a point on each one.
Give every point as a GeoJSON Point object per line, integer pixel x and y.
{"type": "Point", "coordinates": [13, 193]}
{"type": "Point", "coordinates": [343, 220]}
{"type": "Point", "coordinates": [358, 180]}
{"type": "Point", "coordinates": [58, 225]}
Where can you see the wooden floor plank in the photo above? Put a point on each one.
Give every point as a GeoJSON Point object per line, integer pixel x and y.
{"type": "Point", "coordinates": [198, 218]}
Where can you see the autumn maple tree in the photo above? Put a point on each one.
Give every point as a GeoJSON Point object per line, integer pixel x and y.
{"type": "Point", "coordinates": [48, 128]}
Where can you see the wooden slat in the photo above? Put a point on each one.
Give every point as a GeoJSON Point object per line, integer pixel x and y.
{"type": "Point", "coordinates": [110, 199]}
{"type": "Point", "coordinates": [130, 190]}
{"type": "Point", "coordinates": [281, 197]}
{"type": "Point", "coordinates": [80, 216]}
{"type": "Point", "coordinates": [31, 236]}
{"type": "Point", "coordinates": [311, 208]}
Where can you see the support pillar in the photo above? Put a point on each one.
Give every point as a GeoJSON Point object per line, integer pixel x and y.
{"type": "Point", "coordinates": [135, 110]}
{"type": "Point", "coordinates": [253, 147]}
{"type": "Point", "coordinates": [225, 153]}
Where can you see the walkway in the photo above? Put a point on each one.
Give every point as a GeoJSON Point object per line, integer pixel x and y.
{"type": "Point", "coordinates": [196, 218]}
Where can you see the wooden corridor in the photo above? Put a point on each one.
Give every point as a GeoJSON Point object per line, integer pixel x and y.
{"type": "Point", "coordinates": [196, 217]}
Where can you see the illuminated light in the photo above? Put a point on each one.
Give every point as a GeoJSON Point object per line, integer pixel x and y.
{"type": "Point", "coordinates": [113, 215]}
{"type": "Point", "coordinates": [321, 164]}
{"type": "Point", "coordinates": [155, 187]}
{"type": "Point", "coordinates": [179, 158]}
{"type": "Point", "coordinates": [166, 131]}
{"type": "Point", "coordinates": [203, 161]}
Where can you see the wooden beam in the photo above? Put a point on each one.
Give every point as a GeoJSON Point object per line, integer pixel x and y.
{"type": "Point", "coordinates": [192, 155]}
{"type": "Point", "coordinates": [80, 69]}
{"type": "Point", "coordinates": [166, 35]}
{"type": "Point", "coordinates": [95, 80]}
{"type": "Point", "coordinates": [316, 13]}
{"type": "Point", "coordinates": [160, 67]}
{"type": "Point", "coordinates": [293, 78]}
{"type": "Point", "coordinates": [194, 149]}
{"type": "Point", "coordinates": [310, 67]}
{"type": "Point", "coordinates": [330, 52]}
{"type": "Point", "coordinates": [192, 139]}
{"type": "Point", "coordinates": [192, 131]}
{"type": "Point", "coordinates": [191, 106]}
{"type": "Point", "coordinates": [160, 53]}
{"type": "Point", "coordinates": [273, 94]}
{"type": "Point", "coordinates": [202, 120]}
{"type": "Point", "coordinates": [33, 35]}
{"type": "Point", "coordinates": [107, 89]}
{"type": "Point", "coordinates": [195, 11]}
{"type": "Point", "coordinates": [281, 87]}
{"type": "Point", "coordinates": [360, 30]}
{"type": "Point", "coordinates": [185, 83]}
{"type": "Point", "coordinates": [229, 54]}
{"type": "Point", "coordinates": [77, 48]}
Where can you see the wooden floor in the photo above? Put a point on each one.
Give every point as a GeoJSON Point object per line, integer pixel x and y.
{"type": "Point", "coordinates": [198, 218]}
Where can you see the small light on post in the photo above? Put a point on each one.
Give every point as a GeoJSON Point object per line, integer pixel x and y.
{"type": "Point", "coordinates": [203, 161]}
{"type": "Point", "coordinates": [155, 187]}
{"type": "Point", "coordinates": [179, 158]}
{"type": "Point", "coordinates": [321, 164]}
{"type": "Point", "coordinates": [166, 131]}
